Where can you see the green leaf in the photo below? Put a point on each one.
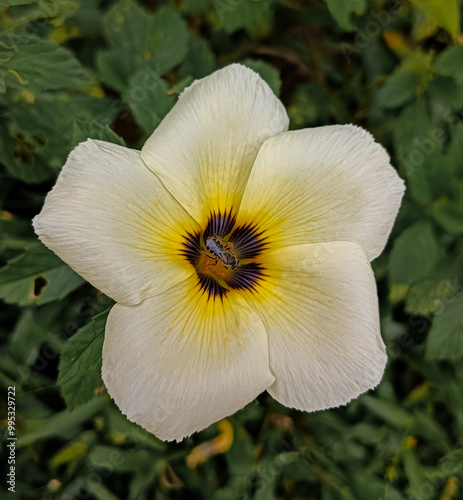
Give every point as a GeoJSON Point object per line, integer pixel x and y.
{"type": "Point", "coordinates": [445, 339]}
{"type": "Point", "coordinates": [125, 27]}
{"type": "Point", "coordinates": [449, 215]}
{"type": "Point", "coordinates": [196, 7]}
{"type": "Point", "coordinates": [424, 425]}
{"type": "Point", "coordinates": [429, 296]}
{"type": "Point", "coordinates": [112, 71]}
{"type": "Point", "coordinates": [17, 154]}
{"type": "Point", "coordinates": [399, 89]}
{"type": "Point", "coordinates": [414, 254]}
{"type": "Point", "coordinates": [16, 2]}
{"type": "Point", "coordinates": [427, 169]}
{"type": "Point", "coordinates": [310, 106]}
{"type": "Point", "coordinates": [138, 39]}
{"type": "Point", "coordinates": [149, 98]}
{"type": "Point", "coordinates": [445, 14]}
{"type": "Point", "coordinates": [341, 10]}
{"type": "Point", "coordinates": [445, 91]}
{"type": "Point", "coordinates": [62, 424]}
{"type": "Point", "coordinates": [37, 64]}
{"type": "Point", "coordinates": [449, 63]}
{"type": "Point", "coordinates": [80, 362]}
{"type": "Point", "coordinates": [120, 426]}
{"type": "Point", "coordinates": [415, 475]}
{"type": "Point", "coordinates": [414, 134]}
{"type": "Point", "coordinates": [267, 72]}
{"type": "Point", "coordinates": [200, 61]}
{"type": "Point", "coordinates": [132, 460]}
{"type": "Point", "coordinates": [28, 336]}
{"type": "Point", "coordinates": [91, 129]}
{"type": "Point", "coordinates": [15, 233]}
{"type": "Point", "coordinates": [387, 411]}
{"type": "Point", "coordinates": [37, 277]}
{"type": "Point", "coordinates": [35, 140]}
{"type": "Point", "coordinates": [455, 152]}
{"type": "Point", "coordinates": [74, 450]}
{"type": "Point", "coordinates": [167, 40]}
{"type": "Point", "coordinates": [236, 15]}
{"type": "Point", "coordinates": [426, 297]}
{"type": "Point", "coordinates": [240, 458]}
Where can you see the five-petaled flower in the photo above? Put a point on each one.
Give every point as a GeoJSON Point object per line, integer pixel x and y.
{"type": "Point", "coordinates": [238, 254]}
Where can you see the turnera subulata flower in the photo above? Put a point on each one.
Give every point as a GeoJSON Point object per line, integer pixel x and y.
{"type": "Point", "coordinates": [238, 254]}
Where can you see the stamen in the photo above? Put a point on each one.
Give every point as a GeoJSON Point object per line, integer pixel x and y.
{"type": "Point", "coordinates": [211, 286]}
{"type": "Point", "coordinates": [220, 225]}
{"type": "Point", "coordinates": [221, 254]}
{"type": "Point", "coordinates": [245, 277]}
{"type": "Point", "coordinates": [192, 246]}
{"type": "Point", "coordinates": [247, 241]}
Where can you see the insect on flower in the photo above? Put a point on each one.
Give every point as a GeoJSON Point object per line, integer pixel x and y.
{"type": "Point", "coordinates": [223, 250]}
{"type": "Point", "coordinates": [238, 254]}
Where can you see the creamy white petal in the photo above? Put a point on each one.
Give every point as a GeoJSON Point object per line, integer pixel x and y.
{"type": "Point", "coordinates": [180, 361]}
{"type": "Point", "coordinates": [204, 149]}
{"type": "Point", "coordinates": [323, 184]}
{"type": "Point", "coordinates": [319, 306]}
{"type": "Point", "coordinates": [113, 222]}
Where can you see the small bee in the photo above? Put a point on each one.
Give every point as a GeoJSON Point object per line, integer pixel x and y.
{"type": "Point", "coordinates": [222, 250]}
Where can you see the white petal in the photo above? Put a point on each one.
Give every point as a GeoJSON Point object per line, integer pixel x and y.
{"type": "Point", "coordinates": [113, 222]}
{"type": "Point", "coordinates": [204, 149]}
{"type": "Point", "coordinates": [180, 361]}
{"type": "Point", "coordinates": [319, 306]}
{"type": "Point", "coordinates": [330, 183]}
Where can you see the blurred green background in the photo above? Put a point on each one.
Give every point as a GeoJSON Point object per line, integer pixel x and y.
{"type": "Point", "coordinates": [111, 70]}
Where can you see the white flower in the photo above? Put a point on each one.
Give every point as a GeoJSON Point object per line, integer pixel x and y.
{"type": "Point", "coordinates": [238, 254]}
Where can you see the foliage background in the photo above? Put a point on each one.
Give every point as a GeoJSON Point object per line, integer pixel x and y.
{"type": "Point", "coordinates": [111, 70]}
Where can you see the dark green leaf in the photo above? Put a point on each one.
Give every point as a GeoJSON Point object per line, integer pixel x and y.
{"type": "Point", "coordinates": [112, 71]}
{"type": "Point", "coordinates": [427, 169]}
{"type": "Point", "coordinates": [310, 105]}
{"type": "Point", "coordinates": [195, 7]}
{"type": "Point", "coordinates": [447, 92]}
{"type": "Point", "coordinates": [91, 129]}
{"type": "Point", "coordinates": [427, 296]}
{"type": "Point", "coordinates": [449, 215]}
{"type": "Point", "coordinates": [388, 412]}
{"type": "Point", "coordinates": [138, 39]}
{"type": "Point", "coordinates": [445, 339]}
{"type": "Point", "coordinates": [449, 63]}
{"type": "Point", "coordinates": [39, 134]}
{"type": "Point", "coordinates": [414, 254]}
{"type": "Point", "coordinates": [445, 14]}
{"type": "Point", "coordinates": [80, 363]}
{"type": "Point", "coordinates": [62, 424]}
{"type": "Point", "coordinates": [37, 277]}
{"type": "Point", "coordinates": [341, 10]}
{"type": "Point", "coordinates": [267, 72]}
{"type": "Point", "coordinates": [399, 89]}
{"type": "Point", "coordinates": [199, 61]}
{"type": "Point", "coordinates": [125, 27]}
{"type": "Point", "coordinates": [239, 14]}
{"type": "Point", "coordinates": [167, 40]}
{"type": "Point", "coordinates": [37, 64]}
{"type": "Point", "coordinates": [149, 98]}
